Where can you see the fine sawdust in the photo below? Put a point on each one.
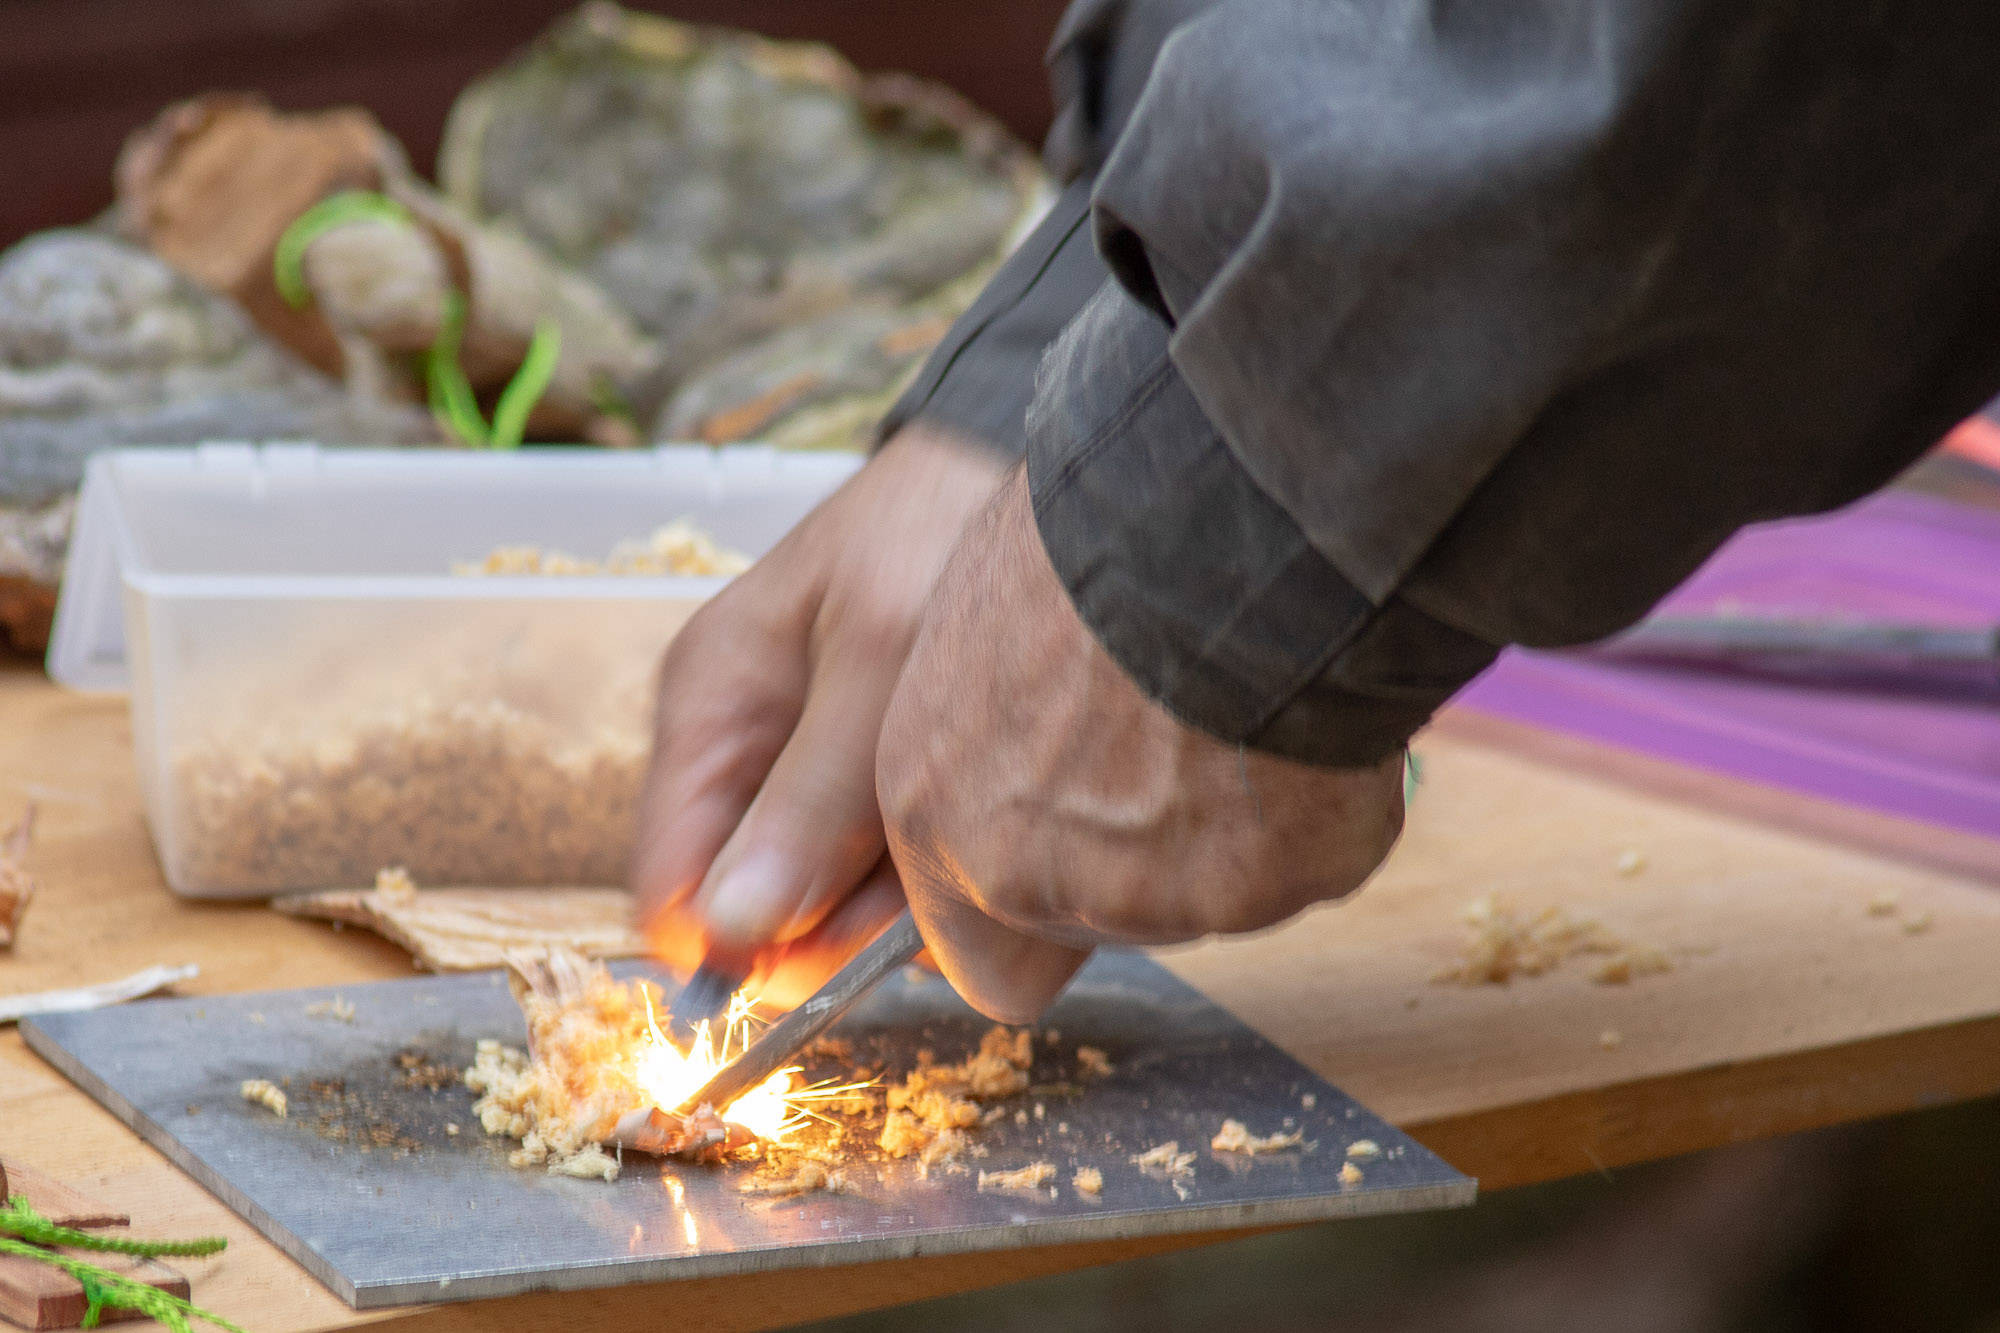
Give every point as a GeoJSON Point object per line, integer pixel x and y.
{"type": "Point", "coordinates": [1235, 1137]}
{"type": "Point", "coordinates": [17, 886]}
{"type": "Point", "coordinates": [678, 548]}
{"type": "Point", "coordinates": [1501, 944]}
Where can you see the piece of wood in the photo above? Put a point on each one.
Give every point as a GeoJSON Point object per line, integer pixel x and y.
{"type": "Point", "coordinates": [462, 930]}
{"type": "Point", "coordinates": [1789, 1006]}
{"type": "Point", "coordinates": [62, 1204]}
{"type": "Point", "coordinates": [35, 1295]}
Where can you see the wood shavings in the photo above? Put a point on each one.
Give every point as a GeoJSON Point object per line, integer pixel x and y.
{"type": "Point", "coordinates": [141, 983]}
{"type": "Point", "coordinates": [807, 1177]}
{"type": "Point", "coordinates": [1918, 923]}
{"type": "Point", "coordinates": [934, 1100]}
{"type": "Point", "coordinates": [1501, 944]}
{"type": "Point", "coordinates": [1363, 1150]}
{"type": "Point", "coordinates": [460, 930]}
{"type": "Point", "coordinates": [1235, 1137]}
{"type": "Point", "coordinates": [1309, 1100]}
{"type": "Point", "coordinates": [1030, 1177]}
{"type": "Point", "coordinates": [1630, 863]}
{"type": "Point", "coordinates": [1092, 1063]}
{"type": "Point", "coordinates": [262, 1092]}
{"type": "Point", "coordinates": [1611, 1039]}
{"type": "Point", "coordinates": [1350, 1174]}
{"type": "Point", "coordinates": [570, 1094]}
{"type": "Point", "coordinates": [1087, 1180]}
{"type": "Point", "coordinates": [17, 886]}
{"type": "Point", "coordinates": [1166, 1158]}
{"type": "Point", "coordinates": [678, 548]}
{"type": "Point", "coordinates": [336, 1009]}
{"type": "Point", "coordinates": [1884, 904]}
{"type": "Point", "coordinates": [589, 1163]}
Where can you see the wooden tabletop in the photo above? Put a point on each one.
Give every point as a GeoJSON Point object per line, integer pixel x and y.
{"type": "Point", "coordinates": [1790, 1004]}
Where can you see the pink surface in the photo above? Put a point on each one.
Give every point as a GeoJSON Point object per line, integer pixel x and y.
{"type": "Point", "coordinates": [1895, 555]}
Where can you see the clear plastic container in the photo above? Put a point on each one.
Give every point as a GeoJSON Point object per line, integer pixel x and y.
{"type": "Point", "coordinates": [316, 694]}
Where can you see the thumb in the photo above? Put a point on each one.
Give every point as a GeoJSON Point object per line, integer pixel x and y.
{"type": "Point", "coordinates": [1007, 974]}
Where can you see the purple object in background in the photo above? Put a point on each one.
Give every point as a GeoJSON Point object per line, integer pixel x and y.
{"type": "Point", "coordinates": [1895, 555]}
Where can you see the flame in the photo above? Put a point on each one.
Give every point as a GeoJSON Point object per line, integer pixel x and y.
{"type": "Point", "coordinates": [668, 1075]}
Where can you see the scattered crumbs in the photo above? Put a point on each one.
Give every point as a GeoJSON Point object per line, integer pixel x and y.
{"type": "Point", "coordinates": [395, 887]}
{"type": "Point", "coordinates": [808, 1177]}
{"type": "Point", "coordinates": [1611, 1039]}
{"type": "Point", "coordinates": [1088, 1180]}
{"type": "Point", "coordinates": [1181, 1191]}
{"type": "Point", "coordinates": [1501, 944]}
{"type": "Point", "coordinates": [1234, 1137]}
{"type": "Point", "coordinates": [337, 1009]}
{"type": "Point", "coordinates": [1884, 904]}
{"type": "Point", "coordinates": [1309, 1101]}
{"type": "Point", "coordinates": [1364, 1150]}
{"type": "Point", "coordinates": [1166, 1157]}
{"type": "Point", "coordinates": [1410, 1003]}
{"type": "Point", "coordinates": [257, 1018]}
{"type": "Point", "coordinates": [1041, 1111]}
{"type": "Point", "coordinates": [591, 1163]}
{"type": "Point", "coordinates": [1021, 1117]}
{"type": "Point", "coordinates": [263, 1092]}
{"type": "Point", "coordinates": [1092, 1062]}
{"type": "Point", "coordinates": [451, 1129]}
{"type": "Point", "coordinates": [1030, 1177]}
{"type": "Point", "coordinates": [1350, 1174]}
{"type": "Point", "coordinates": [192, 1109]}
{"type": "Point", "coordinates": [1918, 924]}
{"type": "Point", "coordinates": [1052, 1036]}
{"type": "Point", "coordinates": [1634, 960]}
{"type": "Point", "coordinates": [1631, 862]}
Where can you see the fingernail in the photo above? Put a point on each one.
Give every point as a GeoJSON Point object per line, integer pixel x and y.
{"type": "Point", "coordinates": [751, 903]}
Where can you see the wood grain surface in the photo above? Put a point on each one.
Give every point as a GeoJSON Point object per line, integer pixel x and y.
{"type": "Point", "coordinates": [1795, 1000]}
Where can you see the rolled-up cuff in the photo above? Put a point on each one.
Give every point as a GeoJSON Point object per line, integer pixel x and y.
{"type": "Point", "coordinates": [979, 379]}
{"type": "Point", "coordinates": [1196, 582]}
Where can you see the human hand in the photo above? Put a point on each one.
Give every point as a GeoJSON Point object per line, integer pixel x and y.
{"type": "Point", "coordinates": [758, 833]}
{"type": "Point", "coordinates": [1038, 804]}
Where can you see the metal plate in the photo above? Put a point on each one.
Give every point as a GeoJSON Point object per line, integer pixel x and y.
{"type": "Point", "coordinates": [378, 1199]}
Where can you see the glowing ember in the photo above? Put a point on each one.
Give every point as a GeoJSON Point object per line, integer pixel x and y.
{"type": "Point", "coordinates": [667, 1076]}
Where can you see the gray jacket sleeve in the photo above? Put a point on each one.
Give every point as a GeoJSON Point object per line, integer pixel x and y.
{"type": "Point", "coordinates": [1435, 327]}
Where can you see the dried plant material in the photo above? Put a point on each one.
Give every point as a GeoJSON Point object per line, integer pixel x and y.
{"type": "Point", "coordinates": [1631, 862]}
{"type": "Point", "coordinates": [935, 1099]}
{"type": "Point", "coordinates": [17, 886]}
{"type": "Point", "coordinates": [141, 983]}
{"type": "Point", "coordinates": [1092, 1063]}
{"type": "Point", "coordinates": [1501, 944]}
{"type": "Point", "coordinates": [569, 1095]}
{"type": "Point", "coordinates": [1884, 904]}
{"type": "Point", "coordinates": [1235, 1137]}
{"type": "Point", "coordinates": [263, 1092]}
{"type": "Point", "coordinates": [1030, 1177]}
{"type": "Point", "coordinates": [678, 548]}
{"type": "Point", "coordinates": [1350, 1174]}
{"type": "Point", "coordinates": [806, 1178]}
{"type": "Point", "coordinates": [1611, 1039]}
{"type": "Point", "coordinates": [1363, 1150]}
{"type": "Point", "coordinates": [458, 930]}
{"type": "Point", "coordinates": [1087, 1180]}
{"type": "Point", "coordinates": [1918, 924]}
{"type": "Point", "coordinates": [1167, 1159]}
{"type": "Point", "coordinates": [336, 1009]}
